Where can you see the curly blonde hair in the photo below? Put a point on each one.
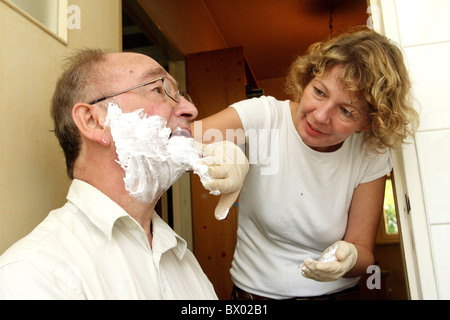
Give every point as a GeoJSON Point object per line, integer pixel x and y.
{"type": "Point", "coordinates": [375, 72]}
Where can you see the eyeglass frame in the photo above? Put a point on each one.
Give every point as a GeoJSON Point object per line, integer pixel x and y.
{"type": "Point", "coordinates": [178, 93]}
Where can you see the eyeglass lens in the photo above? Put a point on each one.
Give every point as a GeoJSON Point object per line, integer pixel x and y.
{"type": "Point", "coordinates": [172, 91]}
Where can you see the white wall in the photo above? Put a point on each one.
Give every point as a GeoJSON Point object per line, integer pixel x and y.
{"type": "Point", "coordinates": [422, 28]}
{"type": "Point", "coordinates": [32, 168]}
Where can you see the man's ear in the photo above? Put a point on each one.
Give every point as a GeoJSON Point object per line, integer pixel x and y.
{"type": "Point", "coordinates": [90, 120]}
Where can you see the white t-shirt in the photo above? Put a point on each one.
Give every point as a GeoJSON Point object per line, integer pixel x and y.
{"type": "Point", "coordinates": [294, 202]}
{"type": "Point", "coordinates": [92, 249]}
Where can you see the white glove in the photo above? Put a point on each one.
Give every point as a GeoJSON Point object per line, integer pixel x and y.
{"type": "Point", "coordinates": [227, 168]}
{"type": "Point", "coordinates": [334, 262]}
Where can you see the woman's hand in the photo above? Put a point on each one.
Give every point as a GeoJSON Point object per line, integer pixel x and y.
{"type": "Point", "coordinates": [330, 267]}
{"type": "Point", "coordinates": [227, 167]}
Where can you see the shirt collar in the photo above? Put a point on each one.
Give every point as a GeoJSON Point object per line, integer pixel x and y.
{"type": "Point", "coordinates": [164, 238]}
{"type": "Point", "coordinates": [104, 212]}
{"type": "Point", "coordinates": [99, 208]}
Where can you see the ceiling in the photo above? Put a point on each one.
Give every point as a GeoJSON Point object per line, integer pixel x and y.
{"type": "Point", "coordinates": [272, 32]}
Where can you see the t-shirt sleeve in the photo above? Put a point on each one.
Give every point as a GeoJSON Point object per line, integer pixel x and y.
{"type": "Point", "coordinates": [255, 113]}
{"type": "Point", "coordinates": [260, 119]}
{"type": "Point", "coordinates": [378, 166]}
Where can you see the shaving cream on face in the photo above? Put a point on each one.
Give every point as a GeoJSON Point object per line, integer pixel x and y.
{"type": "Point", "coordinates": [152, 161]}
{"type": "Point", "coordinates": [186, 152]}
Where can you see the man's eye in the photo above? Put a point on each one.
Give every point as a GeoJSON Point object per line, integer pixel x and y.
{"type": "Point", "coordinates": [159, 90]}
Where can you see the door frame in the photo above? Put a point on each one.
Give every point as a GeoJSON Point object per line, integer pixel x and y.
{"type": "Point", "coordinates": [414, 232]}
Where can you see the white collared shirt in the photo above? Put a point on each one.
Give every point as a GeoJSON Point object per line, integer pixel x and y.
{"type": "Point", "coordinates": [92, 249]}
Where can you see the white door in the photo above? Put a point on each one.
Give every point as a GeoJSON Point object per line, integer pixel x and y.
{"type": "Point", "coordinates": [422, 168]}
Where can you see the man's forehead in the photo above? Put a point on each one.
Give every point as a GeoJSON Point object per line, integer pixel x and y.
{"type": "Point", "coordinates": [134, 64]}
{"type": "Point", "coordinates": [153, 73]}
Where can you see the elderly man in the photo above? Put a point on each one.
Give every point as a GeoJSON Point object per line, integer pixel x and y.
{"type": "Point", "coordinates": [114, 116]}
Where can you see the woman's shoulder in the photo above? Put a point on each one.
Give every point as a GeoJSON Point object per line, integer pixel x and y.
{"type": "Point", "coordinates": [268, 101]}
{"type": "Point", "coordinates": [262, 111]}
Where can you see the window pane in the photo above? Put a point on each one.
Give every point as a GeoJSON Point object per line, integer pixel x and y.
{"type": "Point", "coordinates": [45, 11]}
{"type": "Point", "coordinates": [389, 209]}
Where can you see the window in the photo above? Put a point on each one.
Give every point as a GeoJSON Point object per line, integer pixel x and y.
{"type": "Point", "coordinates": [389, 209]}
{"type": "Point", "coordinates": [388, 229]}
{"type": "Point", "coordinates": [49, 15]}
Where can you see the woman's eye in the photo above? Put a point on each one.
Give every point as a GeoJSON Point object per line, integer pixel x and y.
{"type": "Point", "coordinates": [319, 92]}
{"type": "Point", "coordinates": [345, 111]}
{"type": "Point", "coordinates": [347, 114]}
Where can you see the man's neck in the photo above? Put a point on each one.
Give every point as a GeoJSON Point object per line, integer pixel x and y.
{"type": "Point", "coordinates": [115, 190]}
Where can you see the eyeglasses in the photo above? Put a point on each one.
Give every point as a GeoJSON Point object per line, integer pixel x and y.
{"type": "Point", "coordinates": [169, 87]}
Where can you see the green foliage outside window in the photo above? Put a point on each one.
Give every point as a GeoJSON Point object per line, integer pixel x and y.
{"type": "Point", "coordinates": [389, 209]}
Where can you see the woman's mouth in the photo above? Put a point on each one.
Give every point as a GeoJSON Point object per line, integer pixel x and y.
{"type": "Point", "coordinates": [311, 130]}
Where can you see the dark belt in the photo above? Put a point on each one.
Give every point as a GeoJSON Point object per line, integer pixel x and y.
{"type": "Point", "coordinates": [347, 294]}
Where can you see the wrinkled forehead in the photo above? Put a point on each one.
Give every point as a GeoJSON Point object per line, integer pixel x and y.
{"type": "Point", "coordinates": [131, 67]}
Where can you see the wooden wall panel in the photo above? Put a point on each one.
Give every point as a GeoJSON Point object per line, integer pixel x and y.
{"type": "Point", "coordinates": [215, 79]}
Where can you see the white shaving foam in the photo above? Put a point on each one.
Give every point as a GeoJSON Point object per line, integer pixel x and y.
{"type": "Point", "coordinates": [329, 255]}
{"type": "Point", "coordinates": [152, 161]}
{"type": "Point", "coordinates": [181, 152]}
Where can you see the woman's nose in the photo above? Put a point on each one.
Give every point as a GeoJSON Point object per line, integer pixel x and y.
{"type": "Point", "coordinates": [323, 112]}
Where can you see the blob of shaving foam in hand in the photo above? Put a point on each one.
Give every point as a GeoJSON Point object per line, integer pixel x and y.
{"type": "Point", "coordinates": [329, 255]}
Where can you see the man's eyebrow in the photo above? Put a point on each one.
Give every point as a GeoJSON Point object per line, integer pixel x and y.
{"type": "Point", "coordinates": [153, 73]}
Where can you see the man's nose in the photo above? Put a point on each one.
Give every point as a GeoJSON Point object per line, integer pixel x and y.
{"type": "Point", "coordinates": [186, 109]}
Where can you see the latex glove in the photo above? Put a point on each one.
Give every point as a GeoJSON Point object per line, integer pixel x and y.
{"type": "Point", "coordinates": [227, 168]}
{"type": "Point", "coordinates": [330, 266]}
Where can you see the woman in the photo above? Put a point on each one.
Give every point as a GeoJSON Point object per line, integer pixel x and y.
{"type": "Point", "coordinates": [331, 148]}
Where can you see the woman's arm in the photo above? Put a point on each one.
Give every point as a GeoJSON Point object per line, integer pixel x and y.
{"type": "Point", "coordinates": [224, 125]}
{"type": "Point", "coordinates": [227, 164]}
{"type": "Point", "coordinates": [364, 217]}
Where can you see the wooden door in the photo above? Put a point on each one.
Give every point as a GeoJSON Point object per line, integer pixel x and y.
{"type": "Point", "coordinates": [215, 79]}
